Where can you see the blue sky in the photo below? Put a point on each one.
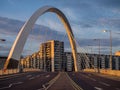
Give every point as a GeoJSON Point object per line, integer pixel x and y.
{"type": "Point", "coordinates": [87, 17]}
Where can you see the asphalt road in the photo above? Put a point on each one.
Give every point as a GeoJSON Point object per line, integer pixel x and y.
{"type": "Point", "coordinates": [26, 81]}
{"type": "Point", "coordinates": [62, 83]}
{"type": "Point", "coordinates": [89, 81]}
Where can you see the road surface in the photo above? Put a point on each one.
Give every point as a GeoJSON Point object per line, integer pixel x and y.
{"type": "Point", "coordinates": [26, 81]}
{"type": "Point", "coordinates": [90, 81]}
{"type": "Point", "coordinates": [58, 81]}
{"type": "Point", "coordinates": [64, 83]}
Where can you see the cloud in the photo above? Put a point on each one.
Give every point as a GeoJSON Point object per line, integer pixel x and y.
{"type": "Point", "coordinates": [69, 13]}
{"type": "Point", "coordinates": [38, 35]}
{"type": "Point", "coordinates": [116, 11]}
{"type": "Point", "coordinates": [11, 2]}
{"type": "Point", "coordinates": [103, 42]}
{"type": "Point", "coordinates": [109, 3]}
{"type": "Point", "coordinates": [4, 48]}
{"type": "Point", "coordinates": [88, 44]}
{"type": "Point", "coordinates": [110, 22]}
{"type": "Point", "coordinates": [41, 33]}
{"type": "Point", "coordinates": [10, 25]}
{"type": "Point", "coordinates": [55, 25]}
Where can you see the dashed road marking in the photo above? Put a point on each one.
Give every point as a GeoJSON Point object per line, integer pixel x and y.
{"type": "Point", "coordinates": [11, 85]}
{"type": "Point", "coordinates": [93, 79]}
{"type": "Point", "coordinates": [15, 84]}
{"type": "Point", "coordinates": [104, 83]}
{"type": "Point", "coordinates": [47, 76]}
{"type": "Point", "coordinates": [18, 83]}
{"type": "Point", "coordinates": [28, 76]}
{"type": "Point", "coordinates": [4, 88]}
{"type": "Point", "coordinates": [31, 78]}
{"type": "Point", "coordinates": [10, 76]}
{"type": "Point", "coordinates": [117, 88]}
{"type": "Point", "coordinates": [97, 88]}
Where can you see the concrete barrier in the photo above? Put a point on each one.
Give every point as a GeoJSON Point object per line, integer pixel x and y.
{"type": "Point", "coordinates": [13, 71]}
{"type": "Point", "coordinates": [30, 69]}
{"type": "Point", "coordinates": [8, 71]}
{"type": "Point", "coordinates": [105, 71]}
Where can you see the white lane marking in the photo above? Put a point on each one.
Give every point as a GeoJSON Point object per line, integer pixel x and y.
{"type": "Point", "coordinates": [28, 76]}
{"type": "Point", "coordinates": [97, 88]}
{"type": "Point", "coordinates": [4, 88]}
{"type": "Point", "coordinates": [18, 83]}
{"type": "Point", "coordinates": [15, 84]}
{"type": "Point", "coordinates": [10, 77]}
{"type": "Point", "coordinates": [93, 79]}
{"type": "Point", "coordinates": [41, 89]}
{"type": "Point", "coordinates": [31, 78]}
{"type": "Point", "coordinates": [117, 88]}
{"type": "Point", "coordinates": [11, 85]}
{"type": "Point", "coordinates": [47, 76]}
{"type": "Point", "coordinates": [44, 88]}
{"type": "Point", "coordinates": [90, 78]}
{"type": "Point", "coordinates": [104, 83]}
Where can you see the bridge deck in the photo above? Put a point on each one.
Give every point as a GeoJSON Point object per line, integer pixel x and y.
{"type": "Point", "coordinates": [62, 83]}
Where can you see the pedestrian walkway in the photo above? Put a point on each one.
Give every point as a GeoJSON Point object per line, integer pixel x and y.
{"type": "Point", "coordinates": [63, 83]}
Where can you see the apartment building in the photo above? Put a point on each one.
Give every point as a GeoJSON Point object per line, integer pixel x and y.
{"type": "Point", "coordinates": [52, 55]}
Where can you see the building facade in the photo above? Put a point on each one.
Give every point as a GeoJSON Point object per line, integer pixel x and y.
{"type": "Point", "coordinates": [48, 58]}
{"type": "Point", "coordinates": [51, 57]}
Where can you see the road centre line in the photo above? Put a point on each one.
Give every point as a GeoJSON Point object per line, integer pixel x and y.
{"type": "Point", "coordinates": [104, 83]}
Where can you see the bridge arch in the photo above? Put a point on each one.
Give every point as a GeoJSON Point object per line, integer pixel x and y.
{"type": "Point", "coordinates": [21, 38]}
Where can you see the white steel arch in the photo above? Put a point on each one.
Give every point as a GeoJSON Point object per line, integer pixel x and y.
{"type": "Point", "coordinates": [19, 43]}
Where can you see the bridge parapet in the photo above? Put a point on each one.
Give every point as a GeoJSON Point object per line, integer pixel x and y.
{"type": "Point", "coordinates": [14, 71]}
{"type": "Point", "coordinates": [105, 71]}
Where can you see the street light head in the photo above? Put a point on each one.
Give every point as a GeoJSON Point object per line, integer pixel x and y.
{"type": "Point", "coordinates": [3, 40]}
{"type": "Point", "coordinates": [104, 30]}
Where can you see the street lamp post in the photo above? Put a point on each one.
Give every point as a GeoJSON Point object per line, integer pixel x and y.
{"type": "Point", "coordinates": [90, 47]}
{"type": "Point", "coordinates": [110, 60]}
{"type": "Point", "coordinates": [2, 40]}
{"type": "Point", "coordinates": [99, 55]}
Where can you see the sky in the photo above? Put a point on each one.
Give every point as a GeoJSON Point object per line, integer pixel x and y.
{"type": "Point", "coordinates": [87, 19]}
